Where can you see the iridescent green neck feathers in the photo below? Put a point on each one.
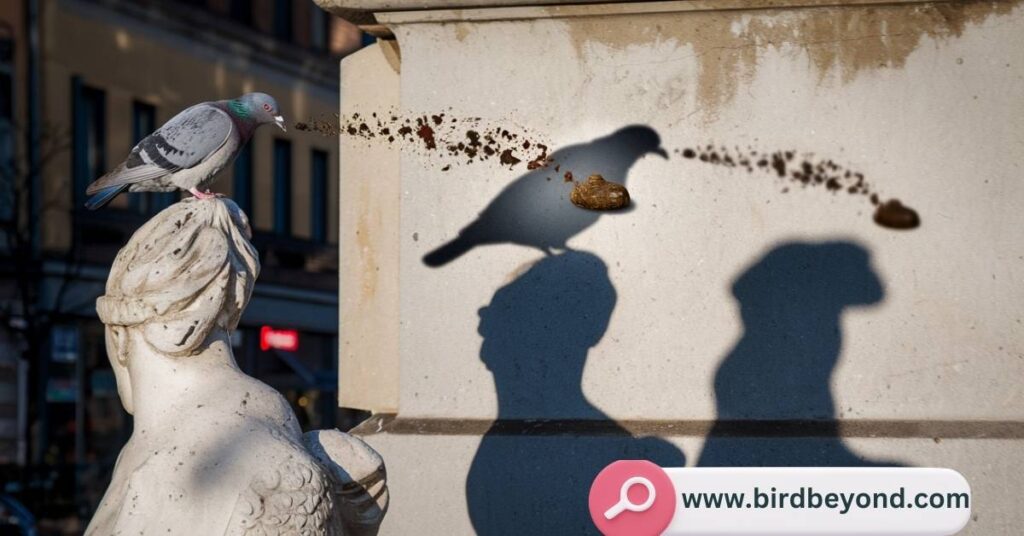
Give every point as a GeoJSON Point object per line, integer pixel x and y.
{"type": "Point", "coordinates": [238, 108]}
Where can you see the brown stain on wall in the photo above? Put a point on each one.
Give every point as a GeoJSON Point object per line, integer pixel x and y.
{"type": "Point", "coordinates": [839, 41]}
{"type": "Point", "coordinates": [462, 31]}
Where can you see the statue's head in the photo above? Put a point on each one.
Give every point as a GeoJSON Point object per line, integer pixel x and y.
{"type": "Point", "coordinates": [183, 277]}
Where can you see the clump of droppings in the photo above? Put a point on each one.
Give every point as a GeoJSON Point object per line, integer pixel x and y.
{"type": "Point", "coordinates": [508, 158]}
{"type": "Point", "coordinates": [542, 159]}
{"type": "Point", "coordinates": [896, 215]}
{"type": "Point", "coordinates": [598, 194]}
{"type": "Point", "coordinates": [427, 135]}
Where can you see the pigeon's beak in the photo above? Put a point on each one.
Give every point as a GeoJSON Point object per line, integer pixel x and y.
{"type": "Point", "coordinates": [279, 121]}
{"type": "Point", "coordinates": [660, 151]}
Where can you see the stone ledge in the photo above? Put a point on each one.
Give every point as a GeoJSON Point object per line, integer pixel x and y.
{"type": "Point", "coordinates": [375, 12]}
{"type": "Point", "coordinates": [390, 424]}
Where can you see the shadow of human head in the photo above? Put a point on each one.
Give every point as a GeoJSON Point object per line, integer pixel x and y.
{"type": "Point", "coordinates": [538, 329]}
{"type": "Point", "coordinates": [534, 210]}
{"type": "Point", "coordinates": [531, 475]}
{"type": "Point", "coordinates": [791, 301]}
{"type": "Point", "coordinates": [806, 282]}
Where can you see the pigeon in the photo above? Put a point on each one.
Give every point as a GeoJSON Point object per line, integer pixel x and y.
{"type": "Point", "coordinates": [534, 210]}
{"type": "Point", "coordinates": [187, 152]}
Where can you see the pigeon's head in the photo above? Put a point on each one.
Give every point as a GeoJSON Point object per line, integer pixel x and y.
{"type": "Point", "coordinates": [638, 141]}
{"type": "Point", "coordinates": [261, 108]}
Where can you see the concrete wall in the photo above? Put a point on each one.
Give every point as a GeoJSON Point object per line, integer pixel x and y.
{"type": "Point", "coordinates": [733, 317]}
{"type": "Point", "coordinates": [370, 189]}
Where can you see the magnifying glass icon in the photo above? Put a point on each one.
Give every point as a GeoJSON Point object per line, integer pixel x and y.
{"type": "Point", "coordinates": [624, 502]}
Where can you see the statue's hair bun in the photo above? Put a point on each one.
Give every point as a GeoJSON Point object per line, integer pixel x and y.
{"type": "Point", "coordinates": [187, 271]}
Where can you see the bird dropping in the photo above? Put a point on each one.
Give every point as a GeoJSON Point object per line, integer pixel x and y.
{"type": "Point", "coordinates": [598, 194]}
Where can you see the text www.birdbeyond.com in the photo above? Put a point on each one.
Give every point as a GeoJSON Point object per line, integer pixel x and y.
{"type": "Point", "coordinates": [808, 497]}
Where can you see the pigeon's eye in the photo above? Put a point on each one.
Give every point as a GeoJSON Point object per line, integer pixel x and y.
{"type": "Point", "coordinates": [266, 106]}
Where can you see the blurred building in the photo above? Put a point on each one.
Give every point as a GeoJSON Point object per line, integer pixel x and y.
{"type": "Point", "coordinates": [81, 81]}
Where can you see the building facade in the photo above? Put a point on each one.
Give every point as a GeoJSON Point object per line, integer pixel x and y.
{"type": "Point", "coordinates": [100, 76]}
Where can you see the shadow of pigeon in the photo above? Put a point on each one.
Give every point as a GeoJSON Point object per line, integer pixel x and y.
{"type": "Point", "coordinates": [534, 210]}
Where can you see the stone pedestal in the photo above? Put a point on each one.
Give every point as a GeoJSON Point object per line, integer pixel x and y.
{"type": "Point", "coordinates": [733, 316]}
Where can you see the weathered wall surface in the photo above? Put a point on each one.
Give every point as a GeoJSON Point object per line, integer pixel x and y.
{"type": "Point", "coordinates": [370, 184]}
{"type": "Point", "coordinates": [725, 294]}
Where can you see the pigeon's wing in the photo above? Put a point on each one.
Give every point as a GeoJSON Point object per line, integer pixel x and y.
{"type": "Point", "coordinates": [181, 143]}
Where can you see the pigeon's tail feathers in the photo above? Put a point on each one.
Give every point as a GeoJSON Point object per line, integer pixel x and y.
{"type": "Point", "coordinates": [124, 175]}
{"type": "Point", "coordinates": [102, 197]}
{"type": "Point", "coordinates": [449, 251]}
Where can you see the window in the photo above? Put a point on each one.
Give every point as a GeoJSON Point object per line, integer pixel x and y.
{"type": "Point", "coordinates": [241, 11]}
{"type": "Point", "coordinates": [143, 120]}
{"type": "Point", "coordinates": [243, 180]}
{"type": "Point", "coordinates": [143, 123]}
{"type": "Point", "coordinates": [283, 19]}
{"type": "Point", "coordinates": [320, 29]}
{"type": "Point", "coordinates": [89, 143]}
{"type": "Point", "coordinates": [9, 193]}
{"type": "Point", "coordinates": [282, 187]}
{"type": "Point", "coordinates": [318, 196]}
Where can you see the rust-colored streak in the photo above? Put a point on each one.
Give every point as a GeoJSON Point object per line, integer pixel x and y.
{"type": "Point", "coordinates": [839, 41]}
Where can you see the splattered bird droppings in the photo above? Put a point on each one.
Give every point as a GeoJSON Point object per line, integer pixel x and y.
{"type": "Point", "coordinates": [508, 159]}
{"type": "Point", "coordinates": [474, 140]}
{"type": "Point", "coordinates": [469, 139]}
{"type": "Point", "coordinates": [807, 171]}
{"type": "Point", "coordinates": [427, 135]}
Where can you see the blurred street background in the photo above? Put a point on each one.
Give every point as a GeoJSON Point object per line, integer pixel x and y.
{"type": "Point", "coordinates": [81, 81]}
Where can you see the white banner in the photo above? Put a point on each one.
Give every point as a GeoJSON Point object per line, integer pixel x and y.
{"type": "Point", "coordinates": [783, 501]}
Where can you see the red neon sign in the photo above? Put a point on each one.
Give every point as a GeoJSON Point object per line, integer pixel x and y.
{"type": "Point", "coordinates": [279, 339]}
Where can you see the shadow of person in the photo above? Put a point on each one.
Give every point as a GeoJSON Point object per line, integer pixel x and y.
{"type": "Point", "coordinates": [780, 371]}
{"type": "Point", "coordinates": [531, 475]}
{"type": "Point", "coordinates": [534, 210]}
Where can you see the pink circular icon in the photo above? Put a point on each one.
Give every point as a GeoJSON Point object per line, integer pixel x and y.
{"type": "Point", "coordinates": [632, 498]}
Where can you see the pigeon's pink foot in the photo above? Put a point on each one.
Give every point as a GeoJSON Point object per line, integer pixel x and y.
{"type": "Point", "coordinates": [201, 195]}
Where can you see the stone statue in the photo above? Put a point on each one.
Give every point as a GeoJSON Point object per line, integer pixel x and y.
{"type": "Point", "coordinates": [213, 450]}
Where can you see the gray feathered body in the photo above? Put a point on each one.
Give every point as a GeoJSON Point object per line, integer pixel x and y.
{"type": "Point", "coordinates": [186, 152]}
